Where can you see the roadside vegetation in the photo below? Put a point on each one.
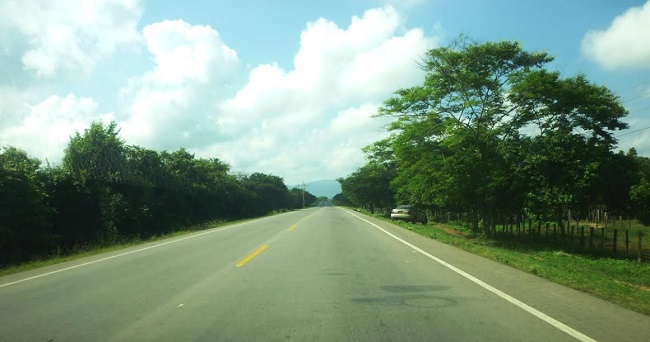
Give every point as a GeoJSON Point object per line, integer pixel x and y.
{"type": "Point", "coordinates": [95, 249]}
{"type": "Point", "coordinates": [622, 282]}
{"type": "Point", "coordinates": [108, 194]}
{"type": "Point", "coordinates": [523, 160]}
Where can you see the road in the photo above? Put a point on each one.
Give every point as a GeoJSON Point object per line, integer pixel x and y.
{"type": "Point", "coordinates": [321, 274]}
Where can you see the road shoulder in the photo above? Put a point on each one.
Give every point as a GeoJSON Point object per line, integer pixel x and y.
{"type": "Point", "coordinates": [579, 310]}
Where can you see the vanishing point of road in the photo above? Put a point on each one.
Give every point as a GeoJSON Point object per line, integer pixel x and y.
{"type": "Point", "coordinates": [320, 274]}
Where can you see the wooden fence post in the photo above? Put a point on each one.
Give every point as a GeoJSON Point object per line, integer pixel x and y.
{"type": "Point", "coordinates": [591, 238]}
{"type": "Point", "coordinates": [582, 237]}
{"type": "Point", "coordinates": [614, 241]}
{"type": "Point", "coordinates": [627, 237]}
{"type": "Point", "coordinates": [627, 243]}
{"type": "Point", "coordinates": [639, 252]}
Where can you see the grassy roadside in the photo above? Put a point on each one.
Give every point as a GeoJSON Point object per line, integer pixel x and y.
{"type": "Point", "coordinates": [91, 250]}
{"type": "Point", "coordinates": [622, 282]}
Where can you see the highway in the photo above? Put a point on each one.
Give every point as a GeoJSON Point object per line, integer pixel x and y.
{"type": "Point", "coordinates": [320, 274]}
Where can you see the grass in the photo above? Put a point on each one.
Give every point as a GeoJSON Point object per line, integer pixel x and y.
{"type": "Point", "coordinates": [622, 282]}
{"type": "Point", "coordinates": [90, 250]}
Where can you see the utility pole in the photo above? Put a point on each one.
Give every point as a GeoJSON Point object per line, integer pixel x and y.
{"type": "Point", "coordinates": [303, 195]}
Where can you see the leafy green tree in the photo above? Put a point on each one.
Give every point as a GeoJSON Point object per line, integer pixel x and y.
{"type": "Point", "coordinates": [340, 199]}
{"type": "Point", "coordinates": [271, 194]}
{"type": "Point", "coordinates": [107, 191]}
{"type": "Point", "coordinates": [296, 198]}
{"type": "Point", "coordinates": [575, 120]}
{"type": "Point", "coordinates": [97, 162]}
{"type": "Point", "coordinates": [76, 212]}
{"type": "Point", "coordinates": [460, 114]}
{"type": "Point", "coordinates": [369, 186]}
{"type": "Point", "coordinates": [97, 155]}
{"type": "Point", "coordinates": [25, 216]}
{"type": "Point", "coordinates": [460, 140]}
{"type": "Point", "coordinates": [640, 191]}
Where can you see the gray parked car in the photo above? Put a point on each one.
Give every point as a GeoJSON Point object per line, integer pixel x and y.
{"type": "Point", "coordinates": [408, 213]}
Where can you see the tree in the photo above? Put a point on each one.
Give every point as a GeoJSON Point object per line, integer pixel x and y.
{"type": "Point", "coordinates": [340, 199]}
{"type": "Point", "coordinates": [97, 155]}
{"type": "Point", "coordinates": [569, 156]}
{"type": "Point", "coordinates": [640, 192]}
{"type": "Point", "coordinates": [25, 216]}
{"type": "Point", "coordinates": [460, 114]}
{"type": "Point", "coordinates": [456, 137]}
{"type": "Point", "coordinates": [296, 198]}
{"type": "Point", "coordinates": [107, 192]}
{"type": "Point", "coordinates": [271, 194]}
{"type": "Point", "coordinates": [369, 186]}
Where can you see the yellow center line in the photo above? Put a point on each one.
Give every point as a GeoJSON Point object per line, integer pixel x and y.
{"type": "Point", "coordinates": [302, 220]}
{"type": "Point", "coordinates": [308, 217]}
{"type": "Point", "coordinates": [250, 257]}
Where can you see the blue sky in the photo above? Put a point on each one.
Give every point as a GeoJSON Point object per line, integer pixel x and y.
{"type": "Point", "coordinates": [282, 87]}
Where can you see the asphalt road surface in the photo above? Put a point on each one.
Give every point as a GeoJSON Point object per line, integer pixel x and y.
{"type": "Point", "coordinates": [321, 274]}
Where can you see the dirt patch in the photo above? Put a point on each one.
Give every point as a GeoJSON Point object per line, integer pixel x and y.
{"type": "Point", "coordinates": [452, 231]}
{"type": "Point", "coordinates": [640, 287]}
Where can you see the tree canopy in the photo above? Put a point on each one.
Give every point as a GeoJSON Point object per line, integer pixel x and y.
{"type": "Point", "coordinates": [492, 133]}
{"type": "Point", "coordinates": [106, 191]}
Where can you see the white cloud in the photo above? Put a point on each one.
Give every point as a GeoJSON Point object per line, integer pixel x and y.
{"type": "Point", "coordinates": [174, 104]}
{"type": "Point", "coordinates": [352, 120]}
{"type": "Point", "coordinates": [320, 111]}
{"type": "Point", "coordinates": [625, 44]}
{"type": "Point", "coordinates": [13, 107]}
{"type": "Point", "coordinates": [68, 35]}
{"type": "Point", "coordinates": [46, 128]}
{"type": "Point", "coordinates": [309, 122]}
{"type": "Point", "coordinates": [183, 52]}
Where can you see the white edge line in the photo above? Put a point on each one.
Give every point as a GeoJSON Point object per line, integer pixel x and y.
{"type": "Point", "coordinates": [544, 317]}
{"type": "Point", "coordinates": [214, 230]}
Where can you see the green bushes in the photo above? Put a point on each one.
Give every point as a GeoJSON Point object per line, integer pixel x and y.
{"type": "Point", "coordinates": [107, 192]}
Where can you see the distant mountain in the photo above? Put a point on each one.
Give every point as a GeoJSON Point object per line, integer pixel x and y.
{"type": "Point", "coordinates": [327, 188]}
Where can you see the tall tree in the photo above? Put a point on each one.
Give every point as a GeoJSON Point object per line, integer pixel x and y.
{"type": "Point", "coordinates": [456, 137]}
{"type": "Point", "coordinates": [270, 192]}
{"type": "Point", "coordinates": [97, 155]}
{"type": "Point", "coordinates": [369, 186]}
{"type": "Point", "coordinates": [25, 216]}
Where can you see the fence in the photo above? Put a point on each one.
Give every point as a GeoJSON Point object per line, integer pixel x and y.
{"type": "Point", "coordinates": [590, 238]}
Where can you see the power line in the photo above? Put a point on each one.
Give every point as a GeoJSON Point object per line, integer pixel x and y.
{"type": "Point", "coordinates": [638, 130]}
{"type": "Point", "coordinates": [639, 110]}
{"type": "Point", "coordinates": [637, 85]}
{"type": "Point", "coordinates": [642, 96]}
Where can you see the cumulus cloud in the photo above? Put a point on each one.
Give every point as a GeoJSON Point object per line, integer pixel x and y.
{"type": "Point", "coordinates": [315, 118]}
{"type": "Point", "coordinates": [624, 44]}
{"type": "Point", "coordinates": [174, 104]}
{"type": "Point", "coordinates": [304, 123]}
{"type": "Point", "coordinates": [67, 35]}
{"type": "Point", "coordinates": [46, 127]}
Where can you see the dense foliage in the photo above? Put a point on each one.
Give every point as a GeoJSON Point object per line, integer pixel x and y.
{"type": "Point", "coordinates": [106, 192]}
{"type": "Point", "coordinates": [494, 135]}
